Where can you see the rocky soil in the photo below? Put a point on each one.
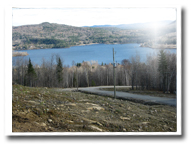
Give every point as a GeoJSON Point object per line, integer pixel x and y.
{"type": "Point", "coordinates": [49, 110]}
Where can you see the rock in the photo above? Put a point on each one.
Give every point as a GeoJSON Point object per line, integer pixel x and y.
{"type": "Point", "coordinates": [37, 111]}
{"type": "Point", "coordinates": [29, 110]}
{"type": "Point", "coordinates": [61, 105]}
{"type": "Point", "coordinates": [95, 128]}
{"type": "Point", "coordinates": [85, 111]}
{"type": "Point", "coordinates": [43, 124]}
{"type": "Point", "coordinates": [124, 129]}
{"type": "Point", "coordinates": [33, 102]}
{"type": "Point", "coordinates": [36, 123]}
{"type": "Point", "coordinates": [121, 105]}
{"type": "Point", "coordinates": [84, 100]}
{"type": "Point", "coordinates": [95, 108]}
{"type": "Point", "coordinates": [70, 122]}
{"type": "Point", "coordinates": [92, 122]}
{"type": "Point", "coordinates": [144, 123]}
{"type": "Point", "coordinates": [170, 129]}
{"type": "Point", "coordinates": [71, 104]}
{"type": "Point", "coordinates": [140, 129]}
{"type": "Point", "coordinates": [71, 130]}
{"type": "Point", "coordinates": [151, 111]}
{"type": "Point", "coordinates": [124, 118]}
{"type": "Point", "coordinates": [49, 120]}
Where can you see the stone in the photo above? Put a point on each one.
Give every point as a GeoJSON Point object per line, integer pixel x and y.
{"type": "Point", "coordinates": [124, 129]}
{"type": "Point", "coordinates": [95, 128]}
{"type": "Point", "coordinates": [95, 108]}
{"type": "Point", "coordinates": [71, 104]}
{"type": "Point", "coordinates": [85, 111]}
{"type": "Point", "coordinates": [37, 111]}
{"type": "Point", "coordinates": [124, 118]}
{"type": "Point", "coordinates": [49, 120]}
{"type": "Point", "coordinates": [70, 122]}
{"type": "Point", "coordinates": [43, 124]}
{"type": "Point", "coordinates": [144, 123]}
{"type": "Point", "coordinates": [92, 122]}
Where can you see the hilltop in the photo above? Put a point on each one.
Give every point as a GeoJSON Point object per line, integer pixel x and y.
{"type": "Point", "coordinates": [52, 35]}
{"type": "Point", "coordinates": [136, 26]}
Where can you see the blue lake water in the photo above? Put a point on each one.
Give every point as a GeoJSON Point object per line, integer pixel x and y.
{"type": "Point", "coordinates": [97, 52]}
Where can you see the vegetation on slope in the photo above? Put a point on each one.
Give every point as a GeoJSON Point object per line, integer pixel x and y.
{"type": "Point", "coordinates": [53, 110]}
{"type": "Point", "coordinates": [51, 35]}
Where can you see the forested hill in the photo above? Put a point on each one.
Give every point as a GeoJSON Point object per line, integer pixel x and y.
{"type": "Point", "coordinates": [52, 35]}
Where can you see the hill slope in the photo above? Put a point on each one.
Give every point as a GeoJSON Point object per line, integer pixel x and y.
{"type": "Point", "coordinates": [53, 110]}
{"type": "Point", "coordinates": [51, 35]}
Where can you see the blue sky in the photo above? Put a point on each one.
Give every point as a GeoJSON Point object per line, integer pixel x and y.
{"type": "Point", "coordinates": [90, 16]}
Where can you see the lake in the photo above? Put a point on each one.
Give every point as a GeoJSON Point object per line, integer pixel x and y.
{"type": "Point", "coordinates": [96, 52]}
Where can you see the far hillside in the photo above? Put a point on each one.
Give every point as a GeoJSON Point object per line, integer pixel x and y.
{"type": "Point", "coordinates": [52, 35]}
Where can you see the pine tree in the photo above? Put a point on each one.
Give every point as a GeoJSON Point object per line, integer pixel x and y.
{"type": "Point", "coordinates": [31, 70]}
{"type": "Point", "coordinates": [59, 70]}
{"type": "Point", "coordinates": [162, 62]}
{"type": "Point", "coordinates": [31, 74]}
{"type": "Point", "coordinates": [162, 67]}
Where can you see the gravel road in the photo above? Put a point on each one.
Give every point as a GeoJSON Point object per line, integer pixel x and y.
{"type": "Point", "coordinates": [145, 99]}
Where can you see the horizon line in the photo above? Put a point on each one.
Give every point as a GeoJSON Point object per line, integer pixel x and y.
{"type": "Point", "coordinates": [93, 25]}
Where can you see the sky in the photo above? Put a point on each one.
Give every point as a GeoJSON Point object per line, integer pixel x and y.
{"type": "Point", "coordinates": [90, 16]}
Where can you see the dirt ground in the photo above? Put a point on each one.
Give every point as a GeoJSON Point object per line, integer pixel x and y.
{"type": "Point", "coordinates": [49, 110]}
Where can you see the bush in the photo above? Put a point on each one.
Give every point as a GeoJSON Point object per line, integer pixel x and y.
{"type": "Point", "coordinates": [93, 83]}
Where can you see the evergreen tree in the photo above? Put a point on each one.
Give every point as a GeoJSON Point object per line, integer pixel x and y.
{"type": "Point", "coordinates": [31, 75]}
{"type": "Point", "coordinates": [59, 71]}
{"type": "Point", "coordinates": [162, 67]}
{"type": "Point", "coordinates": [78, 64]}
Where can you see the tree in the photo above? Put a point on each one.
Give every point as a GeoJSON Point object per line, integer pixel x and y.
{"type": "Point", "coordinates": [86, 67]}
{"type": "Point", "coordinates": [162, 68]}
{"type": "Point", "coordinates": [134, 70]}
{"type": "Point", "coordinates": [59, 71]}
{"type": "Point", "coordinates": [31, 74]}
{"type": "Point", "coordinates": [171, 75]}
{"type": "Point", "coordinates": [126, 65]}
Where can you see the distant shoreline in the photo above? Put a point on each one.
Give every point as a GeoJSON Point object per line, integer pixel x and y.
{"type": "Point", "coordinates": [141, 45]}
{"type": "Point", "coordinates": [159, 46]}
{"type": "Point", "coordinates": [15, 54]}
{"type": "Point", "coordinates": [87, 44]}
{"type": "Point", "coordinates": [54, 48]}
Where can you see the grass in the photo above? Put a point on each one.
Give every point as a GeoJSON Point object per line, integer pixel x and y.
{"type": "Point", "coordinates": [52, 110]}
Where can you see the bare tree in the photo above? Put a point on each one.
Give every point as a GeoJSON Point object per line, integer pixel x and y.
{"type": "Point", "coordinates": [126, 67]}
{"type": "Point", "coordinates": [86, 67]}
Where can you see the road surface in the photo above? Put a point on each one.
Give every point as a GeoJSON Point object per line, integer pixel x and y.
{"type": "Point", "coordinates": [145, 99]}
